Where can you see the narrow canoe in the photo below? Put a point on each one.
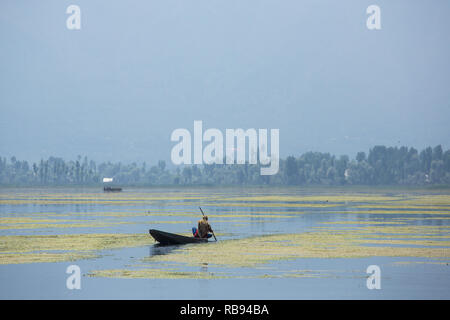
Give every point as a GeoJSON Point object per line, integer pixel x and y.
{"type": "Point", "coordinates": [112, 189]}
{"type": "Point", "coordinates": [167, 238]}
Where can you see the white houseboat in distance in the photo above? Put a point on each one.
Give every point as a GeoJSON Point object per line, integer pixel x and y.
{"type": "Point", "coordinates": [110, 188]}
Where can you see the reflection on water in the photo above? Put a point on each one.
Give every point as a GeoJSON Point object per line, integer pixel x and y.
{"type": "Point", "coordinates": [159, 249]}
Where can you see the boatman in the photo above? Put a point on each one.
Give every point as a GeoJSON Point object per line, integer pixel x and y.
{"type": "Point", "coordinates": [204, 228]}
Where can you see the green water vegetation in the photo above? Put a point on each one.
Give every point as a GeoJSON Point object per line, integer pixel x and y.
{"type": "Point", "coordinates": [16, 249]}
{"type": "Point", "coordinates": [381, 166]}
{"type": "Point", "coordinates": [153, 273]}
{"type": "Point", "coordinates": [38, 223]}
{"type": "Point", "coordinates": [177, 273]}
{"type": "Point", "coordinates": [249, 254]}
{"type": "Point", "coordinates": [386, 223]}
{"type": "Point", "coordinates": [353, 243]}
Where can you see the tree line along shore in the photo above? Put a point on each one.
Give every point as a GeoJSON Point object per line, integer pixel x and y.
{"type": "Point", "coordinates": [380, 166]}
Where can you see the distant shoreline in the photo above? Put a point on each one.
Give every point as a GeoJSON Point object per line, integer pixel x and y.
{"type": "Point", "coordinates": [382, 166]}
{"type": "Point", "coordinates": [344, 188]}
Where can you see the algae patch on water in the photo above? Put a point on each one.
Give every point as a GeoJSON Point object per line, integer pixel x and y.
{"type": "Point", "coordinates": [176, 273]}
{"type": "Point", "coordinates": [367, 242]}
{"type": "Point", "coordinates": [249, 253]}
{"type": "Point", "coordinates": [152, 273]}
{"type": "Point", "coordinates": [43, 257]}
{"type": "Point", "coordinates": [18, 223]}
{"type": "Point", "coordinates": [54, 248]}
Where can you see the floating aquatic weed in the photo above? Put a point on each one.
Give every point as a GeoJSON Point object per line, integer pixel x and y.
{"type": "Point", "coordinates": [296, 274]}
{"type": "Point", "coordinates": [20, 220]}
{"type": "Point", "coordinates": [420, 262]}
{"type": "Point", "coordinates": [150, 273]}
{"type": "Point", "coordinates": [175, 273]}
{"type": "Point", "coordinates": [359, 222]}
{"type": "Point", "coordinates": [229, 215]}
{"type": "Point", "coordinates": [257, 250]}
{"type": "Point", "coordinates": [409, 219]}
{"type": "Point", "coordinates": [110, 214]}
{"type": "Point", "coordinates": [322, 198]}
{"type": "Point", "coordinates": [423, 243]}
{"type": "Point", "coordinates": [61, 224]}
{"type": "Point", "coordinates": [273, 204]}
{"type": "Point", "coordinates": [428, 200]}
{"type": "Point", "coordinates": [402, 206]}
{"type": "Point", "coordinates": [43, 257]}
{"type": "Point", "coordinates": [353, 242]}
{"type": "Point", "coordinates": [99, 198]}
{"type": "Point", "coordinates": [167, 222]}
{"type": "Point", "coordinates": [392, 212]}
{"type": "Point", "coordinates": [33, 248]}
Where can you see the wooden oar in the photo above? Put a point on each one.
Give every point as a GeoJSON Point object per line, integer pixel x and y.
{"type": "Point", "coordinates": [211, 229]}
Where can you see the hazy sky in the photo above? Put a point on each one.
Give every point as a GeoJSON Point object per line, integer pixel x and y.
{"type": "Point", "coordinates": [137, 70]}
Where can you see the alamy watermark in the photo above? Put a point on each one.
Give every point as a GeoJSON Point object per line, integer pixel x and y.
{"type": "Point", "coordinates": [73, 22]}
{"type": "Point", "coordinates": [235, 147]}
{"type": "Point", "coordinates": [374, 20]}
{"type": "Point", "coordinates": [374, 279]}
{"type": "Point", "coordinates": [74, 280]}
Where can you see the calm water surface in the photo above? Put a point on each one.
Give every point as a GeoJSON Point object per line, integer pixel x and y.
{"type": "Point", "coordinates": [274, 243]}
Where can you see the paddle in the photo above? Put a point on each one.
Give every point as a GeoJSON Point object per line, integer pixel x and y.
{"type": "Point", "coordinates": [211, 230]}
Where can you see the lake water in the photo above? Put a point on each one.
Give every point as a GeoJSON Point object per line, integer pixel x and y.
{"type": "Point", "coordinates": [273, 243]}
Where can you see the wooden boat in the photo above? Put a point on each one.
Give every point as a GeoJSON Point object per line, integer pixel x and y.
{"type": "Point", "coordinates": [167, 238]}
{"type": "Point", "coordinates": [112, 189]}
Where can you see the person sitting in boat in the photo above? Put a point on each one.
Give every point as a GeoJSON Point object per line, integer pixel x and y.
{"type": "Point", "coordinates": [203, 229]}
